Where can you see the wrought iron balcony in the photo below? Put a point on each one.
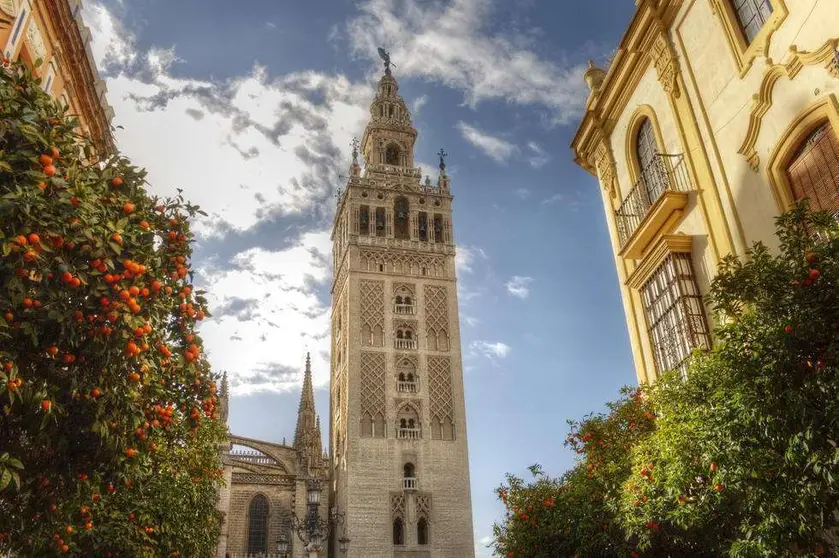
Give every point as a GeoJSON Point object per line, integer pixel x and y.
{"type": "Point", "coordinates": [408, 433]}
{"type": "Point", "coordinates": [659, 192]}
{"type": "Point", "coordinates": [407, 387]}
{"type": "Point", "coordinates": [409, 483]}
{"type": "Point", "coordinates": [406, 343]}
{"type": "Point", "coordinates": [405, 309]}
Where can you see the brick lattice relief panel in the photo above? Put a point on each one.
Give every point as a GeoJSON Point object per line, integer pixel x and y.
{"type": "Point", "coordinates": [372, 313]}
{"type": "Point", "coordinates": [440, 399]}
{"type": "Point", "coordinates": [437, 318]}
{"type": "Point", "coordinates": [373, 410]}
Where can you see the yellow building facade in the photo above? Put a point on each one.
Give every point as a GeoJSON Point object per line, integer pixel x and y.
{"type": "Point", "coordinates": [53, 31]}
{"type": "Point", "coordinates": [713, 117]}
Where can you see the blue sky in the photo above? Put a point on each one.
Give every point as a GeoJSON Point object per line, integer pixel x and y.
{"type": "Point", "coordinates": [250, 106]}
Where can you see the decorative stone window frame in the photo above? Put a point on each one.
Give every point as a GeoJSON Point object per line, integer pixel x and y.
{"type": "Point", "coordinates": [824, 109]}
{"type": "Point", "coordinates": [667, 245]}
{"type": "Point", "coordinates": [18, 30]}
{"type": "Point", "coordinates": [666, 211]}
{"type": "Point", "coordinates": [744, 53]}
{"type": "Point", "coordinates": [635, 122]}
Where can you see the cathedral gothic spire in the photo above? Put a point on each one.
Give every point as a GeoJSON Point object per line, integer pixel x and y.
{"type": "Point", "coordinates": [307, 438]}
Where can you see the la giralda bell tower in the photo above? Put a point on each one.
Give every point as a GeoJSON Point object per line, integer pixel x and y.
{"type": "Point", "coordinates": [399, 458]}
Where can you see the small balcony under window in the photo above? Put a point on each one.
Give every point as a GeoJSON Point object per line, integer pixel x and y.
{"type": "Point", "coordinates": [405, 339]}
{"type": "Point", "coordinates": [409, 433]}
{"type": "Point", "coordinates": [409, 483]}
{"type": "Point", "coordinates": [403, 305]}
{"type": "Point", "coordinates": [658, 195]}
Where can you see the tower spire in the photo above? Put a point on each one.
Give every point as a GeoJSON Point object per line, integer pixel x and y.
{"type": "Point", "coordinates": [307, 439]}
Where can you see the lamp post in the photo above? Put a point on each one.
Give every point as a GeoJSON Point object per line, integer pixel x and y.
{"type": "Point", "coordinates": [312, 530]}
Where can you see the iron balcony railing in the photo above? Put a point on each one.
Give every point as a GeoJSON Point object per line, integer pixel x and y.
{"type": "Point", "coordinates": [666, 173]}
{"type": "Point", "coordinates": [409, 483]}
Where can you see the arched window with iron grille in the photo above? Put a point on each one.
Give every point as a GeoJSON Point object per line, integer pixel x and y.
{"type": "Point", "coordinates": [258, 525]}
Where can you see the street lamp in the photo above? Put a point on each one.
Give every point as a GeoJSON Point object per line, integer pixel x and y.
{"type": "Point", "coordinates": [312, 530]}
{"type": "Point", "coordinates": [282, 545]}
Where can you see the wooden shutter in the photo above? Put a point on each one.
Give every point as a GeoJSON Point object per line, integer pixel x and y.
{"type": "Point", "coordinates": [814, 170]}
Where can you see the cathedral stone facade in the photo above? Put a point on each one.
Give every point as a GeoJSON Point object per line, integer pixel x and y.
{"type": "Point", "coordinates": [266, 482]}
{"type": "Point", "coordinates": [398, 468]}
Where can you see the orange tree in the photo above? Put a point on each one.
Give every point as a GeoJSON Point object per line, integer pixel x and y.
{"type": "Point", "coordinates": [746, 450]}
{"type": "Point", "coordinates": [738, 457]}
{"type": "Point", "coordinates": [571, 515]}
{"type": "Point", "coordinates": [108, 433]}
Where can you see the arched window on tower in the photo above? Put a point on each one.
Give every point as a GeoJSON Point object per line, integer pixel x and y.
{"type": "Point", "coordinates": [380, 221]}
{"type": "Point", "coordinates": [813, 172]}
{"type": "Point", "coordinates": [258, 525]}
{"type": "Point", "coordinates": [408, 423]}
{"type": "Point", "coordinates": [398, 531]}
{"type": "Point", "coordinates": [422, 531]}
{"type": "Point", "coordinates": [400, 210]}
{"type": "Point", "coordinates": [393, 155]}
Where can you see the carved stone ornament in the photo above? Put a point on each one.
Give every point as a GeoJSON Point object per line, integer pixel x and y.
{"type": "Point", "coordinates": [605, 165]}
{"type": "Point", "coordinates": [665, 64]}
{"type": "Point", "coordinates": [762, 100]}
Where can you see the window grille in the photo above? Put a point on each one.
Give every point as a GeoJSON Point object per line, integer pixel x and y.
{"type": "Point", "coordinates": [752, 15]}
{"type": "Point", "coordinates": [258, 525]}
{"type": "Point", "coordinates": [814, 170]}
{"type": "Point", "coordinates": [675, 313]}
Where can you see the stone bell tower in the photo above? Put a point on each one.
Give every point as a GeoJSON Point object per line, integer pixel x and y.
{"type": "Point", "coordinates": [399, 460]}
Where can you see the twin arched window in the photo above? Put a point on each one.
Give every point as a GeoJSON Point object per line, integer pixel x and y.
{"type": "Point", "coordinates": [258, 525]}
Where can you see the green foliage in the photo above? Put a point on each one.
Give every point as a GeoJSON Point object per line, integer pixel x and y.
{"type": "Point", "coordinates": [108, 428]}
{"type": "Point", "coordinates": [740, 456]}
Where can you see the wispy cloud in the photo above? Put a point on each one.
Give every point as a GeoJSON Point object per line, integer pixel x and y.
{"type": "Point", "coordinates": [418, 103]}
{"type": "Point", "coordinates": [519, 286]}
{"type": "Point", "coordinates": [556, 198]}
{"type": "Point", "coordinates": [498, 149]}
{"type": "Point", "coordinates": [467, 256]}
{"type": "Point", "coordinates": [521, 193]}
{"type": "Point", "coordinates": [537, 157]}
{"type": "Point", "coordinates": [468, 54]}
{"type": "Point", "coordinates": [491, 350]}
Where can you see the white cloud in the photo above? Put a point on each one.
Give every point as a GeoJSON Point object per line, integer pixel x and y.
{"type": "Point", "coordinates": [418, 103]}
{"type": "Point", "coordinates": [522, 193]}
{"type": "Point", "coordinates": [248, 147]}
{"type": "Point", "coordinates": [466, 257]}
{"type": "Point", "coordinates": [495, 147]}
{"type": "Point", "coordinates": [270, 25]}
{"type": "Point", "coordinates": [482, 546]}
{"type": "Point", "coordinates": [519, 286]}
{"type": "Point", "coordinates": [265, 301]}
{"type": "Point", "coordinates": [537, 157]}
{"type": "Point", "coordinates": [258, 154]}
{"type": "Point", "coordinates": [454, 43]}
{"type": "Point", "coordinates": [491, 350]}
{"type": "Point", "coordinates": [556, 198]}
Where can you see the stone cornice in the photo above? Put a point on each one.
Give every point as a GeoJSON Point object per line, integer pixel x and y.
{"type": "Point", "coordinates": [646, 33]}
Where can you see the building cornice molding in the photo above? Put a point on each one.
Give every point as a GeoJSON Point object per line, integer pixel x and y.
{"type": "Point", "coordinates": [666, 245]}
{"type": "Point", "coordinates": [646, 33]}
{"type": "Point", "coordinates": [762, 100]}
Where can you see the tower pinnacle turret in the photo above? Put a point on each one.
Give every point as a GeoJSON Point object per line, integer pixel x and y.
{"type": "Point", "coordinates": [307, 439]}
